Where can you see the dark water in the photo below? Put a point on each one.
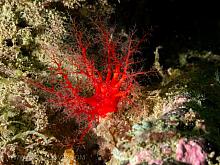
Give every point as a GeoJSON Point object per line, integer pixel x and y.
{"type": "Point", "coordinates": [177, 25]}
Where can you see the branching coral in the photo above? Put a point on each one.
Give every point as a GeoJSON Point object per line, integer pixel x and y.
{"type": "Point", "coordinates": [110, 85]}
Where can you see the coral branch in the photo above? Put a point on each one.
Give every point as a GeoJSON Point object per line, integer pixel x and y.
{"type": "Point", "coordinates": [110, 86]}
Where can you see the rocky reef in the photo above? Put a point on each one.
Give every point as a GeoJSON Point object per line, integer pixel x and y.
{"type": "Point", "coordinates": [172, 119]}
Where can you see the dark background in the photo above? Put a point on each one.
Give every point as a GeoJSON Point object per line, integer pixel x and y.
{"type": "Point", "coordinates": [177, 25]}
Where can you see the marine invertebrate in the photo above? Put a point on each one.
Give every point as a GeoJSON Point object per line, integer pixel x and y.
{"type": "Point", "coordinates": [109, 85]}
{"type": "Point", "coordinates": [190, 152]}
{"type": "Point", "coordinates": [25, 24]}
{"type": "Point", "coordinates": [22, 122]}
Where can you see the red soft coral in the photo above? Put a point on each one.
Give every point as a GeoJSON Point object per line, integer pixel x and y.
{"type": "Point", "coordinates": [111, 85]}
